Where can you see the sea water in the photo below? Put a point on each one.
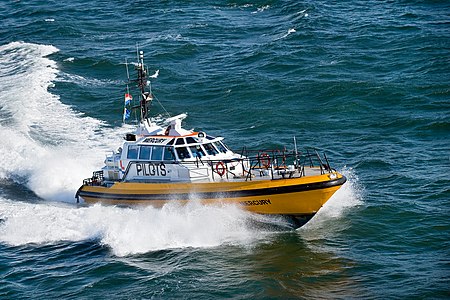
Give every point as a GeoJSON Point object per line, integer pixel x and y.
{"type": "Point", "coordinates": [367, 82]}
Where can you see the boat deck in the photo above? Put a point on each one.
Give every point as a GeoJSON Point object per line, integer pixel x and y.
{"type": "Point", "coordinates": [256, 168]}
{"type": "Point", "coordinates": [268, 174]}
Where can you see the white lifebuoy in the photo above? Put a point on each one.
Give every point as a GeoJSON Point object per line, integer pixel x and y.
{"type": "Point", "coordinates": [220, 168]}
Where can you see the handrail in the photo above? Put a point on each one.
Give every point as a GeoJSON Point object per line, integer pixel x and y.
{"type": "Point", "coordinates": [275, 161]}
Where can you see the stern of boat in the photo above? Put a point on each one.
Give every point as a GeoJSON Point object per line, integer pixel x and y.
{"type": "Point", "coordinates": [97, 179]}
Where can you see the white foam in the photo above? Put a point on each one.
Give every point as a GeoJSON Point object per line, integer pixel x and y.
{"type": "Point", "coordinates": [45, 144]}
{"type": "Point", "coordinates": [300, 14]}
{"type": "Point", "coordinates": [83, 81]}
{"type": "Point", "coordinates": [289, 32]}
{"type": "Point", "coordinates": [261, 9]}
{"type": "Point", "coordinates": [131, 231]}
{"type": "Point", "coordinates": [50, 147]}
{"type": "Point", "coordinates": [125, 230]}
{"type": "Point", "coordinates": [350, 195]}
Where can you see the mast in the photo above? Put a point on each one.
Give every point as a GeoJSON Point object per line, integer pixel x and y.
{"type": "Point", "coordinates": [145, 97]}
{"type": "Point", "coordinates": [143, 84]}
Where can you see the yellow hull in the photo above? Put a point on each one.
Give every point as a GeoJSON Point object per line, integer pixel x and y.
{"type": "Point", "coordinates": [294, 197]}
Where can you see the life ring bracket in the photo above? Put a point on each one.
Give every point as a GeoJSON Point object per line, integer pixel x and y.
{"type": "Point", "coordinates": [221, 168]}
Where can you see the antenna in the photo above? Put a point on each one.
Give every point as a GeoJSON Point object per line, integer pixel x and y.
{"type": "Point", "coordinates": [145, 95]}
{"type": "Point", "coordinates": [128, 73]}
{"type": "Point", "coordinates": [295, 145]}
{"type": "Point", "coordinates": [144, 86]}
{"type": "Point", "coordinates": [137, 52]}
{"type": "Point", "coordinates": [128, 76]}
{"type": "Point", "coordinates": [296, 151]}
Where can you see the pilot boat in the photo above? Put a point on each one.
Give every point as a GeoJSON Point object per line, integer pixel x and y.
{"type": "Point", "coordinates": [161, 162]}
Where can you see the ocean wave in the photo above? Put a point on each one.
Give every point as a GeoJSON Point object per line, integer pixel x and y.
{"type": "Point", "coordinates": [349, 196]}
{"type": "Point", "coordinates": [47, 144]}
{"type": "Point", "coordinates": [83, 81]}
{"type": "Point", "coordinates": [131, 231]}
{"type": "Point", "coordinates": [128, 231]}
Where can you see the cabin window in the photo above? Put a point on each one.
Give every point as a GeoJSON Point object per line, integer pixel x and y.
{"type": "Point", "coordinates": [183, 153]}
{"type": "Point", "coordinates": [210, 137]}
{"type": "Point", "coordinates": [171, 142]}
{"type": "Point", "coordinates": [226, 147]}
{"type": "Point", "coordinates": [168, 154]}
{"type": "Point", "coordinates": [220, 147]}
{"type": "Point", "coordinates": [132, 152]}
{"type": "Point", "coordinates": [197, 151]}
{"type": "Point", "coordinates": [179, 141]}
{"type": "Point", "coordinates": [157, 152]}
{"type": "Point", "coordinates": [190, 140]}
{"type": "Point", "coordinates": [210, 149]}
{"type": "Point", "coordinates": [145, 152]}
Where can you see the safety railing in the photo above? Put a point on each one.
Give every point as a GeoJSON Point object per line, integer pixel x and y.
{"type": "Point", "coordinates": [252, 163]}
{"type": "Point", "coordinates": [96, 179]}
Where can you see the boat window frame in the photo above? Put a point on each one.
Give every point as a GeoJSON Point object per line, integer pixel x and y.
{"type": "Point", "coordinates": [215, 147]}
{"type": "Point", "coordinates": [220, 147]}
{"type": "Point", "coordinates": [172, 153]}
{"type": "Point", "coordinates": [149, 153]}
{"type": "Point", "coordinates": [190, 138]}
{"type": "Point", "coordinates": [215, 152]}
{"type": "Point", "coordinates": [180, 144]}
{"type": "Point", "coordinates": [129, 148]}
{"type": "Point", "coordinates": [225, 146]}
{"type": "Point", "coordinates": [154, 147]}
{"type": "Point", "coordinates": [198, 149]}
{"type": "Point", "coordinates": [186, 148]}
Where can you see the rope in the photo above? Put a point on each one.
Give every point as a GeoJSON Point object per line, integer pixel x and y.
{"type": "Point", "coordinates": [156, 98]}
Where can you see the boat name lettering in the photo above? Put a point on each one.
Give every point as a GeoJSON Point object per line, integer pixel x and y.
{"type": "Point", "coordinates": [155, 140]}
{"type": "Point", "coordinates": [255, 202]}
{"type": "Point", "coordinates": [151, 169]}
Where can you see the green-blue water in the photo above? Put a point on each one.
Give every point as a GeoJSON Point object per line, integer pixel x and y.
{"type": "Point", "coordinates": [366, 81]}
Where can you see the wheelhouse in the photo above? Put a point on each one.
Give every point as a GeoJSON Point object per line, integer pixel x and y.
{"type": "Point", "coordinates": [186, 148]}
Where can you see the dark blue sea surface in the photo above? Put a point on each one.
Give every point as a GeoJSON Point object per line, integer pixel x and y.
{"type": "Point", "coordinates": [366, 81]}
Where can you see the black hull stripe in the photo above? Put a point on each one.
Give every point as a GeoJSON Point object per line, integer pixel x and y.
{"type": "Point", "coordinates": [219, 195]}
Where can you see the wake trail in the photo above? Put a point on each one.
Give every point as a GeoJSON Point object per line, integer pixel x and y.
{"type": "Point", "coordinates": [46, 145]}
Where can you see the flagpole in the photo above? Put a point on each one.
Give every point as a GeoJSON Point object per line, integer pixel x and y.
{"type": "Point", "coordinates": [127, 95]}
